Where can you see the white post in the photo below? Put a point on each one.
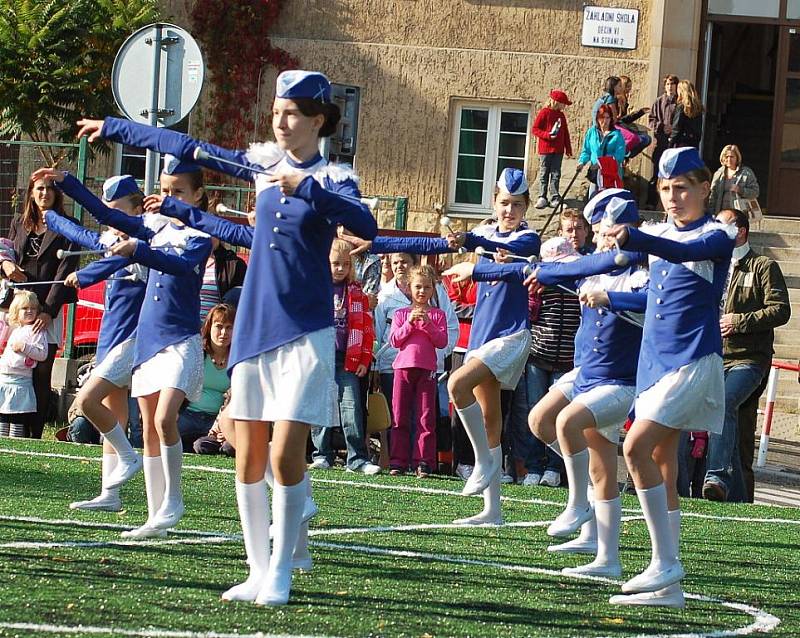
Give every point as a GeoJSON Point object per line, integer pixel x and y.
{"type": "Point", "coordinates": [772, 391]}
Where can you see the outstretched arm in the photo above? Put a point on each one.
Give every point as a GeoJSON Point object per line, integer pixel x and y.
{"type": "Point", "coordinates": [716, 245]}
{"type": "Point", "coordinates": [226, 230]}
{"type": "Point", "coordinates": [340, 202]}
{"type": "Point", "coordinates": [555, 273]}
{"type": "Point", "coordinates": [73, 231]}
{"type": "Point", "coordinates": [631, 301]}
{"type": "Point", "coordinates": [524, 245]}
{"type": "Point", "coordinates": [100, 270]}
{"type": "Point", "coordinates": [192, 258]}
{"type": "Point", "coordinates": [411, 245]}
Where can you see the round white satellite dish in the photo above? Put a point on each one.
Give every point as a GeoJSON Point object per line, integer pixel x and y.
{"type": "Point", "coordinates": [180, 69]}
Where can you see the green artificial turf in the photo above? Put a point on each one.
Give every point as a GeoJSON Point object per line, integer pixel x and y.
{"type": "Point", "coordinates": [370, 580]}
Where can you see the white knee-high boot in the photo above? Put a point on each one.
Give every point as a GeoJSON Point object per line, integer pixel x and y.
{"type": "Point", "coordinates": [485, 466]}
{"type": "Point", "coordinates": [108, 499]}
{"type": "Point", "coordinates": [287, 506]}
{"type": "Point", "coordinates": [253, 502]}
{"type": "Point", "coordinates": [608, 515]}
{"type": "Point", "coordinates": [171, 510]}
{"type": "Point", "coordinates": [492, 513]}
{"type": "Point", "coordinates": [154, 485]}
{"type": "Point", "coordinates": [578, 509]}
{"type": "Point", "coordinates": [586, 543]}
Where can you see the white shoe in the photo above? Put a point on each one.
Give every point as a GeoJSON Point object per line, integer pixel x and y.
{"type": "Point", "coordinates": [506, 479]}
{"type": "Point", "coordinates": [99, 504]}
{"type": "Point", "coordinates": [671, 596]}
{"type": "Point", "coordinates": [168, 516]}
{"type": "Point", "coordinates": [246, 591]}
{"type": "Point", "coordinates": [654, 578]}
{"type": "Point", "coordinates": [550, 479]}
{"type": "Point", "coordinates": [319, 463]}
{"type": "Point", "coordinates": [370, 469]}
{"type": "Point", "coordinates": [145, 531]}
{"type": "Point", "coordinates": [555, 200]}
{"type": "Point", "coordinates": [303, 564]}
{"type": "Point", "coordinates": [481, 477]}
{"type": "Point", "coordinates": [479, 519]}
{"type": "Point", "coordinates": [464, 471]}
{"type": "Point", "coordinates": [123, 472]}
{"type": "Point", "coordinates": [576, 546]}
{"type": "Point", "coordinates": [275, 590]}
{"type": "Point", "coordinates": [612, 570]}
{"type": "Point", "coordinates": [531, 479]}
{"type": "Point", "coordinates": [541, 203]}
{"type": "Point", "coordinates": [569, 521]}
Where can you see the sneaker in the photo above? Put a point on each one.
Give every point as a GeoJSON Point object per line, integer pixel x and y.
{"type": "Point", "coordinates": [396, 471]}
{"type": "Point", "coordinates": [464, 471]}
{"type": "Point", "coordinates": [370, 469]}
{"type": "Point", "coordinates": [506, 479]}
{"type": "Point", "coordinates": [532, 478]}
{"type": "Point", "coordinates": [319, 463]}
{"type": "Point", "coordinates": [541, 203]}
{"type": "Point", "coordinates": [423, 471]}
{"type": "Point", "coordinates": [555, 200]}
{"type": "Point", "coordinates": [714, 491]}
{"type": "Point", "coordinates": [550, 478]}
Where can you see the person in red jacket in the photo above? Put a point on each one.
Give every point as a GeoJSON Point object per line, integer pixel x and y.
{"type": "Point", "coordinates": [550, 126]}
{"type": "Point", "coordinates": [355, 336]}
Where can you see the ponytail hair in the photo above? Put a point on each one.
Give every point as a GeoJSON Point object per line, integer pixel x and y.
{"type": "Point", "coordinates": [310, 108]}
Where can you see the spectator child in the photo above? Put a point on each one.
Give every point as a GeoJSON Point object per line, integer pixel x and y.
{"type": "Point", "coordinates": [25, 348]}
{"type": "Point", "coordinates": [355, 336]}
{"type": "Point", "coordinates": [417, 331]}
{"type": "Point", "coordinates": [550, 126]}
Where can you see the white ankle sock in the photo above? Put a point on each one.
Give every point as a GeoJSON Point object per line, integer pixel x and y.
{"type": "Point", "coordinates": [654, 506]}
{"type": "Point", "coordinates": [577, 466]}
{"type": "Point", "coordinates": [117, 439]}
{"type": "Point", "coordinates": [287, 507]}
{"type": "Point", "coordinates": [172, 461]}
{"type": "Point", "coordinates": [107, 465]}
{"type": "Point", "coordinates": [472, 418]}
{"type": "Point", "coordinates": [154, 484]}
{"type": "Point", "coordinates": [253, 502]}
{"type": "Point", "coordinates": [608, 515]}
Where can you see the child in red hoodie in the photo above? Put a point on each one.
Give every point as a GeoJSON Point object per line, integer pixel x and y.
{"type": "Point", "coordinates": [550, 126]}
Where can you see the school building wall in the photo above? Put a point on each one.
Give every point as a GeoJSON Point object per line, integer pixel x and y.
{"type": "Point", "coordinates": [414, 59]}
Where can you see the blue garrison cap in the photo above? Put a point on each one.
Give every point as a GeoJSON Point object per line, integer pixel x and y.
{"type": "Point", "coordinates": [175, 166]}
{"type": "Point", "coordinates": [512, 180]}
{"type": "Point", "coordinates": [118, 187]}
{"type": "Point", "coordinates": [679, 161]}
{"type": "Point", "coordinates": [303, 84]}
{"type": "Point", "coordinates": [615, 204]}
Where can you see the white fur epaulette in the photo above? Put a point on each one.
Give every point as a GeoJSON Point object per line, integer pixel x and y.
{"type": "Point", "coordinates": [155, 221]}
{"type": "Point", "coordinates": [336, 173]}
{"type": "Point", "coordinates": [266, 154]}
{"type": "Point", "coordinates": [731, 230]}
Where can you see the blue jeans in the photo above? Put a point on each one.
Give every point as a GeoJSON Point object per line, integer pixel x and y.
{"type": "Point", "coordinates": [351, 416]}
{"type": "Point", "coordinates": [533, 385]}
{"type": "Point", "coordinates": [192, 425]}
{"type": "Point", "coordinates": [724, 466]}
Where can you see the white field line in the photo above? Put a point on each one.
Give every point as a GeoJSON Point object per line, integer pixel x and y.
{"type": "Point", "coordinates": [426, 490]}
{"type": "Point", "coordinates": [147, 633]}
{"type": "Point", "coordinates": [763, 621]}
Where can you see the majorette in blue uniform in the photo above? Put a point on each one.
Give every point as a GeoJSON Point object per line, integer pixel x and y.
{"type": "Point", "coordinates": [679, 382]}
{"type": "Point", "coordinates": [282, 354]}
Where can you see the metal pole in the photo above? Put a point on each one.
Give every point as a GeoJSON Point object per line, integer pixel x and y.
{"type": "Point", "coordinates": [151, 157]}
{"type": "Point", "coordinates": [80, 173]}
{"type": "Point", "coordinates": [772, 391]}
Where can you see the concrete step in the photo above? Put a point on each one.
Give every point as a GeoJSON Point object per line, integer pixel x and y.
{"type": "Point", "coordinates": [786, 404]}
{"type": "Point", "coordinates": [782, 254]}
{"type": "Point", "coordinates": [787, 336]}
{"type": "Point", "coordinates": [787, 352]}
{"type": "Point", "coordinates": [760, 238]}
{"type": "Point", "coordinates": [779, 225]}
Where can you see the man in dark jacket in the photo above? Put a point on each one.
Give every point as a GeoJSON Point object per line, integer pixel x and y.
{"type": "Point", "coordinates": [660, 122]}
{"type": "Point", "coordinates": [756, 303]}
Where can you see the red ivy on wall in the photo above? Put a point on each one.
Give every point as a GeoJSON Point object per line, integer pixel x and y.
{"type": "Point", "coordinates": [236, 45]}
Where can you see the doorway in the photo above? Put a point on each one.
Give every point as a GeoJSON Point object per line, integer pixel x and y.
{"type": "Point", "coordinates": [741, 97]}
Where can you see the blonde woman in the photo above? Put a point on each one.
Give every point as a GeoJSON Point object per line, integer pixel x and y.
{"type": "Point", "coordinates": [732, 183]}
{"type": "Point", "coordinates": [687, 121]}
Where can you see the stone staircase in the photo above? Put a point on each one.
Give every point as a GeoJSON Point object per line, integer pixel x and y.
{"type": "Point", "coordinates": [779, 238]}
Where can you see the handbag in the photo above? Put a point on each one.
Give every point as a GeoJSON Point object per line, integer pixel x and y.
{"type": "Point", "coordinates": [378, 416]}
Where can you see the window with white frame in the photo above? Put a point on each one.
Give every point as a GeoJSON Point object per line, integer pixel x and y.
{"type": "Point", "coordinates": [486, 139]}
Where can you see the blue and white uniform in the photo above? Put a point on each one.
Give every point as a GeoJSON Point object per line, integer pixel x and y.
{"type": "Point", "coordinates": [500, 336]}
{"type": "Point", "coordinates": [680, 383]}
{"type": "Point", "coordinates": [171, 354]}
{"type": "Point", "coordinates": [606, 346]}
{"type": "Point", "coordinates": [124, 289]}
{"type": "Point", "coordinates": [282, 353]}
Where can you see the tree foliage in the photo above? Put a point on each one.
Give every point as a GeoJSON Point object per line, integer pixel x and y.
{"type": "Point", "coordinates": [56, 59]}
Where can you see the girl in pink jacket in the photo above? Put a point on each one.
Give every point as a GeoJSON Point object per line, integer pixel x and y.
{"type": "Point", "coordinates": [417, 330]}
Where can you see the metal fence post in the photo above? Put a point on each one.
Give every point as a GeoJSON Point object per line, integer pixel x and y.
{"type": "Point", "coordinates": [69, 346]}
{"type": "Point", "coordinates": [401, 213]}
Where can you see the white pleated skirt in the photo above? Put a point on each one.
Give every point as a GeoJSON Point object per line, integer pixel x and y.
{"type": "Point", "coordinates": [295, 382]}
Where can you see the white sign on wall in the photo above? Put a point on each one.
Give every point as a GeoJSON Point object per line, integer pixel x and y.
{"type": "Point", "coordinates": [610, 28]}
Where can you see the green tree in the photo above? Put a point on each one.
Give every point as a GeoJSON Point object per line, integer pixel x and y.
{"type": "Point", "coordinates": [56, 59]}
